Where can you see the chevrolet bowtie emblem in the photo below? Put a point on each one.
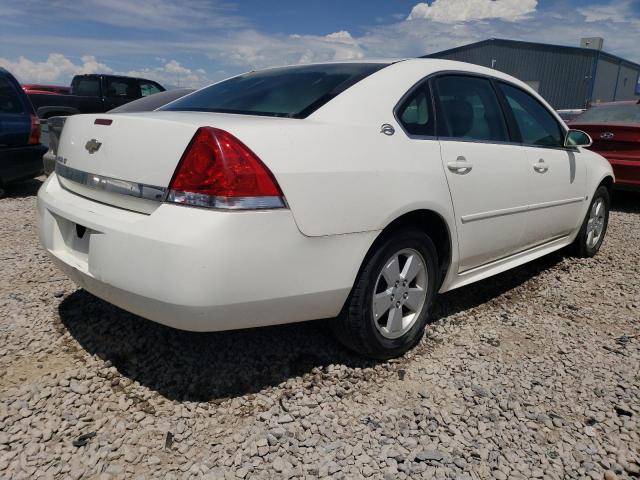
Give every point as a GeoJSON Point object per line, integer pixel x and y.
{"type": "Point", "coordinates": [93, 145]}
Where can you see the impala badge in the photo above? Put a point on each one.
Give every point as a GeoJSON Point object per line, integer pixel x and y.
{"type": "Point", "coordinates": [606, 135]}
{"type": "Point", "coordinates": [93, 146]}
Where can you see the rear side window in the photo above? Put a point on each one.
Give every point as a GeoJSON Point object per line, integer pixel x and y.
{"type": "Point", "coordinates": [536, 124]}
{"type": "Point", "coordinates": [86, 87]}
{"type": "Point", "coordinates": [416, 114]}
{"type": "Point", "coordinates": [148, 88]}
{"type": "Point", "coordinates": [470, 109]}
{"type": "Point", "coordinates": [123, 88]}
{"type": "Point", "coordinates": [9, 98]}
{"type": "Point", "coordinates": [294, 92]}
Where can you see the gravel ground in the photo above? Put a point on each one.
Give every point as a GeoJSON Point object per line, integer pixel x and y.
{"type": "Point", "coordinates": [532, 374]}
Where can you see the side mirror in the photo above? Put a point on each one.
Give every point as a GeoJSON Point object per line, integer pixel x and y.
{"type": "Point", "coordinates": [577, 138]}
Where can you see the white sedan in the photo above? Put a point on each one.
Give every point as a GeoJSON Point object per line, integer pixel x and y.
{"type": "Point", "coordinates": [351, 191]}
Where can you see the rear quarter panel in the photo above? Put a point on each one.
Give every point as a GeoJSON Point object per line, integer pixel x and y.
{"type": "Point", "coordinates": [340, 174]}
{"type": "Point", "coordinates": [351, 178]}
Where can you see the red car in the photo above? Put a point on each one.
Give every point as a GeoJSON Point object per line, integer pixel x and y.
{"type": "Point", "coordinates": [615, 130]}
{"type": "Point", "coordinates": [46, 89]}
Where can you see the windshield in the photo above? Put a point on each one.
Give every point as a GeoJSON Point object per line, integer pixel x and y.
{"type": "Point", "coordinates": [623, 113]}
{"type": "Point", "coordinates": [294, 92]}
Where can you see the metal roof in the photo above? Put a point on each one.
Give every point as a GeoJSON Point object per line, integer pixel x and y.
{"type": "Point", "coordinates": [544, 46]}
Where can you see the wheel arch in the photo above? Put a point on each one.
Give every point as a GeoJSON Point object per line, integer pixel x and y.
{"type": "Point", "coordinates": [430, 222]}
{"type": "Point", "coordinates": [56, 111]}
{"type": "Point", "coordinates": [607, 181]}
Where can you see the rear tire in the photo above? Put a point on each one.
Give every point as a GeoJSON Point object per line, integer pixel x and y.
{"type": "Point", "coordinates": [594, 226]}
{"type": "Point", "coordinates": [387, 309]}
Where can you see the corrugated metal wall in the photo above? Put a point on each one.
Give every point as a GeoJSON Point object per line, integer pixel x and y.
{"type": "Point", "coordinates": [606, 78]}
{"type": "Point", "coordinates": [564, 76]}
{"type": "Point", "coordinates": [627, 81]}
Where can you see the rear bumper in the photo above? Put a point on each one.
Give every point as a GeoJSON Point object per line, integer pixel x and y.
{"type": "Point", "coordinates": [197, 269]}
{"type": "Point", "coordinates": [17, 163]}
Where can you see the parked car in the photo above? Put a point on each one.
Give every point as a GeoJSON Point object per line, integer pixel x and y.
{"type": "Point", "coordinates": [321, 191]}
{"type": "Point", "coordinates": [152, 102]}
{"type": "Point", "coordinates": [144, 104]}
{"type": "Point", "coordinates": [93, 93]}
{"type": "Point", "coordinates": [615, 129]}
{"type": "Point", "coordinates": [569, 114]}
{"type": "Point", "coordinates": [20, 148]}
{"type": "Point", "coordinates": [46, 89]}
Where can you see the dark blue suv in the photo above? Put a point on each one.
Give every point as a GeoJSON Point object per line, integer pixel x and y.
{"type": "Point", "coordinates": [20, 148]}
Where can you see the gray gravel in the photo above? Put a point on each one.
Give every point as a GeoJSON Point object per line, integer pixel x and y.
{"type": "Point", "coordinates": [532, 374]}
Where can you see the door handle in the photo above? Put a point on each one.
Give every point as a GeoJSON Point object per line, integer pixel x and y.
{"type": "Point", "coordinates": [541, 166]}
{"type": "Point", "coordinates": [460, 166]}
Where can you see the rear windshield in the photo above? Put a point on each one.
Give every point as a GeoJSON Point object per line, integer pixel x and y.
{"type": "Point", "coordinates": [626, 113]}
{"type": "Point", "coordinates": [294, 92]}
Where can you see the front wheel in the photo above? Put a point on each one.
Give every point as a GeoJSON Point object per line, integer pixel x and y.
{"type": "Point", "coordinates": [594, 226]}
{"type": "Point", "coordinates": [386, 312]}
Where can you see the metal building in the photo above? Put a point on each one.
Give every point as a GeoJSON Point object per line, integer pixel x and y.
{"type": "Point", "coordinates": [567, 77]}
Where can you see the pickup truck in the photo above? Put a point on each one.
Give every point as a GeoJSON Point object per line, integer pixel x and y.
{"type": "Point", "coordinates": [93, 93]}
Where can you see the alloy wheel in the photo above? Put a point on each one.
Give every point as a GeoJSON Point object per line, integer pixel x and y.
{"type": "Point", "coordinates": [400, 293]}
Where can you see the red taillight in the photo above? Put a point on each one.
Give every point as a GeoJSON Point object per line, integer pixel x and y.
{"type": "Point", "coordinates": [218, 170]}
{"type": "Point", "coordinates": [34, 136]}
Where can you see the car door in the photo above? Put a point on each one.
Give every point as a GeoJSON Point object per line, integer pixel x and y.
{"type": "Point", "coordinates": [486, 172]}
{"type": "Point", "coordinates": [556, 176]}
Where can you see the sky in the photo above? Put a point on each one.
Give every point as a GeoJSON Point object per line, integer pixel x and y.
{"type": "Point", "coordinates": [193, 43]}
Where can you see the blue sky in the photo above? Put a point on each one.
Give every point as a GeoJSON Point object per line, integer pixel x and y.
{"type": "Point", "coordinates": [195, 42]}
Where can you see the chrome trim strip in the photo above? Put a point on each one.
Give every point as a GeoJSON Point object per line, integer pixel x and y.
{"type": "Point", "coordinates": [525, 208]}
{"type": "Point", "coordinates": [112, 185]}
{"type": "Point", "coordinates": [224, 203]}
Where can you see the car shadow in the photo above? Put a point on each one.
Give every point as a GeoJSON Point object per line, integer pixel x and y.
{"type": "Point", "coordinates": [625, 201]}
{"type": "Point", "coordinates": [191, 366]}
{"type": "Point", "coordinates": [22, 189]}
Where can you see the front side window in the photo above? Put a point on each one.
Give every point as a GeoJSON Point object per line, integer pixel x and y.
{"type": "Point", "coordinates": [293, 92]}
{"type": "Point", "coordinates": [9, 99]}
{"type": "Point", "coordinates": [537, 126]}
{"type": "Point", "coordinates": [470, 109]}
{"type": "Point", "coordinates": [415, 114]}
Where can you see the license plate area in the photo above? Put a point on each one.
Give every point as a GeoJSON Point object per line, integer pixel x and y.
{"type": "Point", "coordinates": [73, 242]}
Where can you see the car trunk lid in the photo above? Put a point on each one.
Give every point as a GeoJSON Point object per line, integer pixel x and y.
{"type": "Point", "coordinates": [128, 160]}
{"type": "Point", "coordinates": [615, 140]}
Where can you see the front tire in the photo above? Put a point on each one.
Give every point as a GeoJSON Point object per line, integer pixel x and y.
{"type": "Point", "coordinates": [386, 312]}
{"type": "Point", "coordinates": [594, 226]}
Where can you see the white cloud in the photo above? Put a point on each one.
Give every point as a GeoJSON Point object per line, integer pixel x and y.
{"type": "Point", "coordinates": [451, 11]}
{"type": "Point", "coordinates": [223, 53]}
{"type": "Point", "coordinates": [55, 68]}
{"type": "Point", "coordinates": [618, 11]}
{"type": "Point", "coordinates": [251, 49]}
{"type": "Point", "coordinates": [173, 74]}
{"type": "Point", "coordinates": [59, 69]}
{"type": "Point", "coordinates": [142, 14]}
{"type": "Point", "coordinates": [341, 36]}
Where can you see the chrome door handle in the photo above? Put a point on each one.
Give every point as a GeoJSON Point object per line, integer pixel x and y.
{"type": "Point", "coordinates": [460, 166]}
{"type": "Point", "coordinates": [541, 166]}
